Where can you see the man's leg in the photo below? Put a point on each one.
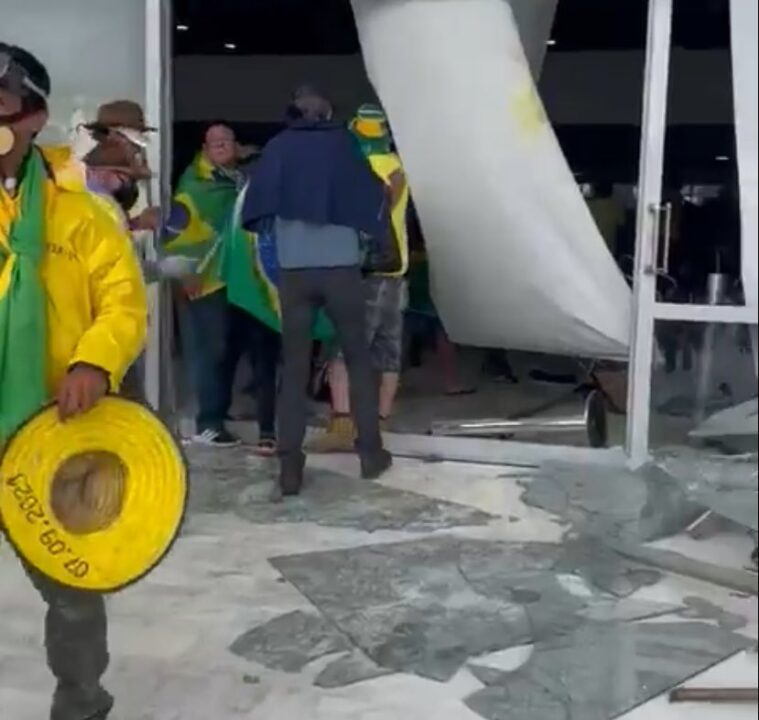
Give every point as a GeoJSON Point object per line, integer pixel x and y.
{"type": "Point", "coordinates": [298, 302]}
{"type": "Point", "coordinates": [235, 348]}
{"type": "Point", "coordinates": [339, 386]}
{"type": "Point", "coordinates": [209, 322]}
{"type": "Point", "coordinates": [264, 349]}
{"type": "Point", "coordinates": [448, 355]}
{"type": "Point", "coordinates": [345, 299]}
{"type": "Point", "coordinates": [387, 345]}
{"type": "Point", "coordinates": [340, 436]}
{"type": "Point", "coordinates": [77, 650]}
{"type": "Point", "coordinates": [390, 383]}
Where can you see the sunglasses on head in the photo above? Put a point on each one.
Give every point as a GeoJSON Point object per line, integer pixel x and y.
{"type": "Point", "coordinates": [15, 79]}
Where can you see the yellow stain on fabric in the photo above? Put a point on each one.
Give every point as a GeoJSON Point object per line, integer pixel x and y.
{"type": "Point", "coordinates": [527, 109]}
{"type": "Point", "coordinates": [94, 503]}
{"type": "Point", "coordinates": [7, 261]}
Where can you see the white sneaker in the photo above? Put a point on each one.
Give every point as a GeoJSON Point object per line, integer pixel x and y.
{"type": "Point", "coordinates": [216, 438]}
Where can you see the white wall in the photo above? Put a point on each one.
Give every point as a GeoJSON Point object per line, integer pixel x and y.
{"type": "Point", "coordinates": [93, 49]}
{"type": "Point", "coordinates": [584, 88]}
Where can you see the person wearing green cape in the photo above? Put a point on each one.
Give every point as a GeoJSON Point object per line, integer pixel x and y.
{"type": "Point", "coordinates": [215, 330]}
{"type": "Point", "coordinates": [386, 290]}
{"type": "Point", "coordinates": [73, 318]}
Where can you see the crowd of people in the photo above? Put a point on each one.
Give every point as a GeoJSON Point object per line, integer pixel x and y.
{"type": "Point", "coordinates": [330, 201]}
{"type": "Point", "coordinates": [334, 199]}
{"type": "Point", "coordinates": [325, 208]}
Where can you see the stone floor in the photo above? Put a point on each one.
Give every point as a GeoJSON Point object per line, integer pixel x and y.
{"type": "Point", "coordinates": [437, 594]}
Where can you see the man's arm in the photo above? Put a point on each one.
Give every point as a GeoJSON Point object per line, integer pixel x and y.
{"type": "Point", "coordinates": [119, 300]}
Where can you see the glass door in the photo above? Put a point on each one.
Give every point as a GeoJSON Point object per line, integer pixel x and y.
{"type": "Point", "coordinates": [668, 324]}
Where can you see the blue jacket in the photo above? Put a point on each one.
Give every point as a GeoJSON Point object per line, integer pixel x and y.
{"type": "Point", "coordinates": [315, 172]}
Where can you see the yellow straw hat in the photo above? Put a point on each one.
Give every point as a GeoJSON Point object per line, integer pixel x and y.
{"type": "Point", "coordinates": [94, 503]}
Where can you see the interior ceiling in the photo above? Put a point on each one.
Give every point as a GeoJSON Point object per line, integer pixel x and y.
{"type": "Point", "coordinates": [305, 27]}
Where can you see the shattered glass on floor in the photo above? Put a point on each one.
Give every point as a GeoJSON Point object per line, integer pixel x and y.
{"type": "Point", "coordinates": [328, 499]}
{"type": "Point", "coordinates": [613, 504]}
{"type": "Point", "coordinates": [433, 606]}
{"type": "Point", "coordinates": [427, 607]}
{"type": "Point", "coordinates": [600, 672]}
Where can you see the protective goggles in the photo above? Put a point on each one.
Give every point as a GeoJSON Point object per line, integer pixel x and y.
{"type": "Point", "coordinates": [15, 79]}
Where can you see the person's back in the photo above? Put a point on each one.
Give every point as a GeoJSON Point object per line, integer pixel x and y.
{"type": "Point", "coordinates": [319, 192]}
{"type": "Point", "coordinates": [315, 188]}
{"type": "Point", "coordinates": [304, 240]}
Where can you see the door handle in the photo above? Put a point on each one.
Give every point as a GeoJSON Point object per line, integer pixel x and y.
{"type": "Point", "coordinates": [668, 208]}
{"type": "Point", "coordinates": [653, 258]}
{"type": "Point", "coordinates": [652, 266]}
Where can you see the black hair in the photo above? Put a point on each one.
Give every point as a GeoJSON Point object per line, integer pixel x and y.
{"type": "Point", "coordinates": [308, 103]}
{"type": "Point", "coordinates": [36, 72]}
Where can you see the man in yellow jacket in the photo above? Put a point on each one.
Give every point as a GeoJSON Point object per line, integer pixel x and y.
{"type": "Point", "coordinates": [385, 288]}
{"type": "Point", "coordinates": [73, 316]}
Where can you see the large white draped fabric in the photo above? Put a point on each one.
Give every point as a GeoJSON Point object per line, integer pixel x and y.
{"type": "Point", "coordinates": [517, 261]}
{"type": "Point", "coordinates": [745, 47]}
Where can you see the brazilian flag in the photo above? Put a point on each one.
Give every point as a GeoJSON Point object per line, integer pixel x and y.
{"type": "Point", "coordinates": [248, 266]}
{"type": "Point", "coordinates": [208, 199]}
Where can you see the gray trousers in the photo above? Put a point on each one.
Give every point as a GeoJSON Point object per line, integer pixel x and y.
{"type": "Point", "coordinates": [77, 650]}
{"type": "Point", "coordinates": [341, 292]}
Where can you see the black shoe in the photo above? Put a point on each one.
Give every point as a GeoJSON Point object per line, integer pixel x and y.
{"type": "Point", "coordinates": [72, 704]}
{"type": "Point", "coordinates": [291, 475]}
{"type": "Point", "coordinates": [102, 715]}
{"type": "Point", "coordinates": [374, 466]}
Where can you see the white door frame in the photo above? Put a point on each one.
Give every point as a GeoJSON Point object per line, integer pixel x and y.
{"type": "Point", "coordinates": [158, 110]}
{"type": "Point", "coordinates": [653, 229]}
{"type": "Point", "coordinates": [648, 226]}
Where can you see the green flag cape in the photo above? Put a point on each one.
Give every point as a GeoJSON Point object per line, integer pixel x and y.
{"type": "Point", "coordinates": [209, 198]}
{"type": "Point", "coordinates": [23, 322]}
{"type": "Point", "coordinates": [249, 267]}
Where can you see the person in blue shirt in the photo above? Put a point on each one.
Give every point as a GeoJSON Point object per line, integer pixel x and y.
{"type": "Point", "coordinates": [316, 187]}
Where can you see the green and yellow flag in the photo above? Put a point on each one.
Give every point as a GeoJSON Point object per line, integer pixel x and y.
{"type": "Point", "coordinates": [23, 320]}
{"type": "Point", "coordinates": [209, 198]}
{"type": "Point", "coordinates": [249, 268]}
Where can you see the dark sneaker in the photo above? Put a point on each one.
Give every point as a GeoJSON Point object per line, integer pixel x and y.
{"type": "Point", "coordinates": [291, 475]}
{"type": "Point", "coordinates": [374, 466]}
{"type": "Point", "coordinates": [72, 704]}
{"type": "Point", "coordinates": [102, 715]}
{"type": "Point", "coordinates": [216, 438]}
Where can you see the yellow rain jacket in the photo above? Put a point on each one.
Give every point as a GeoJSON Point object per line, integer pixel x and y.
{"type": "Point", "coordinates": [96, 298]}
{"type": "Point", "coordinates": [385, 165]}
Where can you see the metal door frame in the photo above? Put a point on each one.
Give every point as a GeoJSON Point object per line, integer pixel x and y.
{"type": "Point", "coordinates": [158, 16]}
{"type": "Point", "coordinates": [652, 229]}
{"type": "Point", "coordinates": [646, 310]}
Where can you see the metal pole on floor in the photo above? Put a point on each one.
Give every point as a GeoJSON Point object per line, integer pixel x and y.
{"type": "Point", "coordinates": [719, 696]}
